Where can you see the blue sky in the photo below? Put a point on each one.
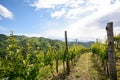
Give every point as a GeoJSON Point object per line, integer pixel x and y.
{"type": "Point", "coordinates": [83, 19]}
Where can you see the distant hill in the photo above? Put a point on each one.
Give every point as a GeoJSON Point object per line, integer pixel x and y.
{"type": "Point", "coordinates": [34, 43]}
{"type": "Point", "coordinates": [39, 41]}
{"type": "Point", "coordinates": [85, 44]}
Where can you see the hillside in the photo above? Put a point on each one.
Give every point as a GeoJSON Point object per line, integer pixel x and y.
{"type": "Point", "coordinates": [39, 40]}
{"type": "Point", "coordinates": [85, 44]}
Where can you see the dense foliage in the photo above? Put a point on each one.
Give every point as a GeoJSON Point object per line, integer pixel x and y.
{"type": "Point", "coordinates": [117, 41]}
{"type": "Point", "coordinates": [100, 52]}
{"type": "Point", "coordinates": [24, 58]}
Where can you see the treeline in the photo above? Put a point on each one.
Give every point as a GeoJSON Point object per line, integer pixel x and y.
{"type": "Point", "coordinates": [24, 58]}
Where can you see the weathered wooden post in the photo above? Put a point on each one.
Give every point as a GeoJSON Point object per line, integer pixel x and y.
{"type": "Point", "coordinates": [111, 57]}
{"type": "Point", "coordinates": [66, 48]}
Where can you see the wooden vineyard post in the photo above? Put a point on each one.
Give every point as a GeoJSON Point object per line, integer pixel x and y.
{"type": "Point", "coordinates": [111, 57]}
{"type": "Point", "coordinates": [66, 51]}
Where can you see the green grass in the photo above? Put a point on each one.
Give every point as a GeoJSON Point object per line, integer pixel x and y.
{"type": "Point", "coordinates": [85, 69]}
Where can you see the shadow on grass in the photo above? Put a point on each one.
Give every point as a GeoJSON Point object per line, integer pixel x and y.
{"type": "Point", "coordinates": [98, 67]}
{"type": "Point", "coordinates": [60, 76]}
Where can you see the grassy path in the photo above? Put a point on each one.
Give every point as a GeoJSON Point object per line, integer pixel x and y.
{"type": "Point", "coordinates": [84, 69]}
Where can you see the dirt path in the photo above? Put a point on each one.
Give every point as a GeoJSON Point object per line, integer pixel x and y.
{"type": "Point", "coordinates": [84, 69]}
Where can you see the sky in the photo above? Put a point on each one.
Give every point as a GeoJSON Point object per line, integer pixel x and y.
{"type": "Point", "coordinates": [84, 20]}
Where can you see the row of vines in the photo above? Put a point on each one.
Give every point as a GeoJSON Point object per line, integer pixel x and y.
{"type": "Point", "coordinates": [28, 61]}
{"type": "Point", "coordinates": [100, 53]}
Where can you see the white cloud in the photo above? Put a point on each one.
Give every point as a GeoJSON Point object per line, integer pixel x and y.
{"type": "Point", "coordinates": [4, 12]}
{"type": "Point", "coordinates": [75, 8]}
{"type": "Point", "coordinates": [54, 33]}
{"type": "Point", "coordinates": [117, 30]}
{"type": "Point", "coordinates": [58, 13]}
{"type": "Point", "coordinates": [48, 3]}
{"type": "Point", "coordinates": [90, 27]}
{"type": "Point", "coordinates": [83, 31]}
{"type": "Point", "coordinates": [92, 17]}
